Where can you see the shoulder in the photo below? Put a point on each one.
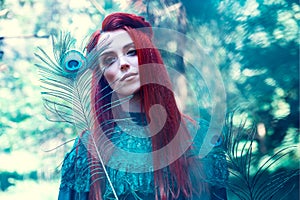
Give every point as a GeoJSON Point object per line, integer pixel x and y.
{"type": "Point", "coordinates": [75, 170]}
{"type": "Point", "coordinates": [204, 139]}
{"type": "Point", "coordinates": [209, 149]}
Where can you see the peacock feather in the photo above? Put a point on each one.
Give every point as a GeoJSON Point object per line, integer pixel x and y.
{"type": "Point", "coordinates": [67, 84]}
{"type": "Point", "coordinates": [248, 179]}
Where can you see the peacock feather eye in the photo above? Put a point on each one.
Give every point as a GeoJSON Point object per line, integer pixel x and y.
{"type": "Point", "coordinates": [73, 61]}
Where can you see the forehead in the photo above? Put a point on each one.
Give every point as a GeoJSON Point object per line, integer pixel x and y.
{"type": "Point", "coordinates": [118, 39]}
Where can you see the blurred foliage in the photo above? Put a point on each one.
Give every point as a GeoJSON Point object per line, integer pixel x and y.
{"type": "Point", "coordinates": [255, 44]}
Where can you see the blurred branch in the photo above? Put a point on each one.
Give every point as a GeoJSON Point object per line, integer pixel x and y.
{"type": "Point", "coordinates": [169, 9]}
{"type": "Point", "coordinates": [3, 12]}
{"type": "Point", "coordinates": [24, 37]}
{"type": "Point", "coordinates": [98, 6]}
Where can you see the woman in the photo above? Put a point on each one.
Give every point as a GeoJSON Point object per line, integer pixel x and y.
{"type": "Point", "coordinates": [136, 112]}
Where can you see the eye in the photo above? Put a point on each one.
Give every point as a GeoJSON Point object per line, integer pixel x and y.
{"type": "Point", "coordinates": [131, 52]}
{"type": "Point", "coordinates": [107, 61]}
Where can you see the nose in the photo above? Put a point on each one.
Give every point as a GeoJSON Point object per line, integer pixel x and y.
{"type": "Point", "coordinates": [124, 65]}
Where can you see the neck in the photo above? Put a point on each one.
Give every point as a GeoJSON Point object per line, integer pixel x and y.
{"type": "Point", "coordinates": [133, 105]}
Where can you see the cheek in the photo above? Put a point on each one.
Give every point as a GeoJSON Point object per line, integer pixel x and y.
{"type": "Point", "coordinates": [110, 76]}
{"type": "Point", "coordinates": [134, 61]}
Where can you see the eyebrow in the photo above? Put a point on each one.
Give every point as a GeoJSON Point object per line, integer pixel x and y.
{"type": "Point", "coordinates": [125, 47]}
{"type": "Point", "coordinates": [128, 45]}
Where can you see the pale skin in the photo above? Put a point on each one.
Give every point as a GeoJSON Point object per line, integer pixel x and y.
{"type": "Point", "coordinates": [119, 63]}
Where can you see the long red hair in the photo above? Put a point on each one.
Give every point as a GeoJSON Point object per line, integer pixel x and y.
{"type": "Point", "coordinates": [177, 182]}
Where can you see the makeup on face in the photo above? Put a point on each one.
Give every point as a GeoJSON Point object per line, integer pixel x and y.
{"type": "Point", "coordinates": [119, 63]}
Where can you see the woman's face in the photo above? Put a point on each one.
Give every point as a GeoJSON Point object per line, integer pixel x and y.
{"type": "Point", "coordinates": [120, 63]}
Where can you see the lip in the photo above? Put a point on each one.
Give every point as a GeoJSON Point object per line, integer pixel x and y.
{"type": "Point", "coordinates": [128, 75]}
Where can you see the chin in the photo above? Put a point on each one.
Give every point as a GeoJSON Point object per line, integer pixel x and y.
{"type": "Point", "coordinates": [123, 94]}
{"type": "Point", "coordinates": [128, 91]}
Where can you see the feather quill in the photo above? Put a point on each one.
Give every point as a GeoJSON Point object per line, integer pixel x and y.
{"type": "Point", "coordinates": [66, 83]}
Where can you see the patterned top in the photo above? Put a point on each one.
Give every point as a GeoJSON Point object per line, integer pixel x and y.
{"type": "Point", "coordinates": [130, 136]}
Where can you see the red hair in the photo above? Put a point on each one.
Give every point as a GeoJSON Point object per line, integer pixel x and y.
{"type": "Point", "coordinates": [178, 180]}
